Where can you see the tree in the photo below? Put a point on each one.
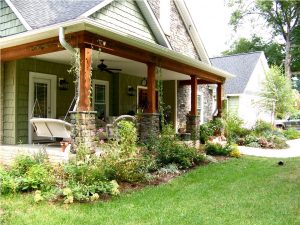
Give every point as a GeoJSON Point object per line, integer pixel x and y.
{"type": "Point", "coordinates": [277, 93]}
{"type": "Point", "coordinates": [281, 15]}
{"type": "Point", "coordinates": [274, 51]}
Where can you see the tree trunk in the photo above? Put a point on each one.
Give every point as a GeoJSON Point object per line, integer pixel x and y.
{"type": "Point", "coordinates": [288, 58]}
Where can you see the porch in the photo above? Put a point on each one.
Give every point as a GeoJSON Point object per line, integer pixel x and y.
{"type": "Point", "coordinates": [137, 63]}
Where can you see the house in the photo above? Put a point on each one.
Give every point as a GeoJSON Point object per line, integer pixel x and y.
{"type": "Point", "coordinates": [123, 49]}
{"type": "Point", "coordinates": [242, 92]}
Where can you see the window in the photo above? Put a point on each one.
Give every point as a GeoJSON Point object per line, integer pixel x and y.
{"type": "Point", "coordinates": [101, 98]}
{"type": "Point", "coordinates": [200, 106]}
{"type": "Point", "coordinates": [199, 102]}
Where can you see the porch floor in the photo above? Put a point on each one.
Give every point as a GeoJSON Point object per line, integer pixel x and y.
{"type": "Point", "coordinates": [9, 152]}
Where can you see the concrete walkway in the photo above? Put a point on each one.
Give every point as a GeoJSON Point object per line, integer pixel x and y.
{"type": "Point", "coordinates": [292, 151]}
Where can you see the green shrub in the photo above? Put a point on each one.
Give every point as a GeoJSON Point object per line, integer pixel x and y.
{"type": "Point", "coordinates": [250, 138]}
{"type": "Point", "coordinates": [291, 134]}
{"type": "Point", "coordinates": [217, 125]}
{"type": "Point", "coordinates": [217, 149]}
{"type": "Point", "coordinates": [167, 150]}
{"type": "Point", "coordinates": [83, 192]}
{"type": "Point", "coordinates": [22, 164]}
{"type": "Point", "coordinates": [263, 128]}
{"type": "Point", "coordinates": [205, 132]}
{"type": "Point", "coordinates": [182, 155]}
{"type": "Point", "coordinates": [234, 129]}
{"type": "Point", "coordinates": [38, 177]}
{"type": "Point", "coordinates": [7, 183]}
{"type": "Point", "coordinates": [253, 145]}
{"type": "Point", "coordinates": [121, 159]}
{"type": "Point", "coordinates": [279, 142]}
{"type": "Point", "coordinates": [128, 138]}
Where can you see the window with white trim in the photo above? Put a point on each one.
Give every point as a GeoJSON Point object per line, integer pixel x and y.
{"type": "Point", "coordinates": [101, 98]}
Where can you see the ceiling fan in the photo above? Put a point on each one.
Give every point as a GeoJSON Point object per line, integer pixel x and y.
{"type": "Point", "coordinates": [104, 67]}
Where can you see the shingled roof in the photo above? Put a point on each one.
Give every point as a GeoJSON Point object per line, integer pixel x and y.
{"type": "Point", "coordinates": [41, 13]}
{"type": "Point", "coordinates": [240, 65]}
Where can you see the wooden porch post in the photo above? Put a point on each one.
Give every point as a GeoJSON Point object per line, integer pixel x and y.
{"type": "Point", "coordinates": [219, 99]}
{"type": "Point", "coordinates": [85, 79]}
{"type": "Point", "coordinates": [151, 88]}
{"type": "Point", "coordinates": [194, 95]}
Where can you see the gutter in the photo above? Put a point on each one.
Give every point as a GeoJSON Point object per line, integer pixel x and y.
{"type": "Point", "coordinates": [65, 44]}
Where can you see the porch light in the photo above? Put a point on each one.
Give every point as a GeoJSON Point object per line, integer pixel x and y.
{"type": "Point", "coordinates": [63, 84]}
{"type": "Point", "coordinates": [130, 91]}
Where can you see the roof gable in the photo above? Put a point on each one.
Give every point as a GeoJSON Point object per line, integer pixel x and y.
{"type": "Point", "coordinates": [124, 17]}
{"type": "Point", "coordinates": [10, 23]}
{"type": "Point", "coordinates": [240, 65]}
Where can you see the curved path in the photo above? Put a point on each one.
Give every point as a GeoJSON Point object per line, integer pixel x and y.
{"type": "Point", "coordinates": [292, 151]}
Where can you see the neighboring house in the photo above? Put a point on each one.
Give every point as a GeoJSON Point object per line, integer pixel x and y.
{"type": "Point", "coordinates": [144, 41]}
{"type": "Point", "coordinates": [242, 92]}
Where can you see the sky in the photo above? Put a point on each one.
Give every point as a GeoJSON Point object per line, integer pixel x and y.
{"type": "Point", "coordinates": [211, 18]}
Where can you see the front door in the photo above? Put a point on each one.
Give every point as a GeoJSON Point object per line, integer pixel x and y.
{"type": "Point", "coordinates": [42, 100]}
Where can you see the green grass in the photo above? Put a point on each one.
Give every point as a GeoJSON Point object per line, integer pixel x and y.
{"type": "Point", "coordinates": [240, 191]}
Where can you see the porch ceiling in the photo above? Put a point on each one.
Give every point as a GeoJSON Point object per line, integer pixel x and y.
{"type": "Point", "coordinates": [128, 66]}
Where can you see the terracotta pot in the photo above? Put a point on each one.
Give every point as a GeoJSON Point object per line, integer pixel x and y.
{"type": "Point", "coordinates": [63, 145]}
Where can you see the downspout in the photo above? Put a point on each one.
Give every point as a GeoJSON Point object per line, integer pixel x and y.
{"type": "Point", "coordinates": [68, 47]}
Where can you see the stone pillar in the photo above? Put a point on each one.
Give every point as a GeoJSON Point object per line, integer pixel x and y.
{"type": "Point", "coordinates": [84, 130]}
{"type": "Point", "coordinates": [192, 123]}
{"type": "Point", "coordinates": [148, 125]}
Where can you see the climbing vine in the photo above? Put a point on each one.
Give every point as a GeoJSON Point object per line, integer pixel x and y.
{"type": "Point", "coordinates": [161, 104]}
{"type": "Point", "coordinates": [75, 71]}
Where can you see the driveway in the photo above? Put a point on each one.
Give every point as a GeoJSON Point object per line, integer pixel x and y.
{"type": "Point", "coordinates": [292, 151]}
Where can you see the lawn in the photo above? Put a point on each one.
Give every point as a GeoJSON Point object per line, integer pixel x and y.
{"type": "Point", "coordinates": [239, 191]}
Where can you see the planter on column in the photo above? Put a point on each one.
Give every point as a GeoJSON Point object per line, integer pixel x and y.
{"type": "Point", "coordinates": [148, 124]}
{"type": "Point", "coordinates": [192, 123]}
{"type": "Point", "coordinates": [83, 132]}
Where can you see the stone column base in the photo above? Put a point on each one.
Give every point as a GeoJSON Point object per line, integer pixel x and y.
{"type": "Point", "coordinates": [192, 123]}
{"type": "Point", "coordinates": [84, 130]}
{"type": "Point", "coordinates": [148, 125]}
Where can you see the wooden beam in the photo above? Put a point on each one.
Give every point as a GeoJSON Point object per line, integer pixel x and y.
{"type": "Point", "coordinates": [40, 47]}
{"type": "Point", "coordinates": [120, 49]}
{"type": "Point", "coordinates": [194, 85]}
{"type": "Point", "coordinates": [199, 81]}
{"type": "Point", "coordinates": [151, 88]}
{"type": "Point", "coordinates": [85, 79]}
{"type": "Point", "coordinates": [85, 39]}
{"type": "Point", "coordinates": [219, 99]}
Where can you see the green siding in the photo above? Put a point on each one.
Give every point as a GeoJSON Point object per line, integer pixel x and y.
{"type": "Point", "coordinates": [233, 104]}
{"type": "Point", "coordinates": [9, 23]}
{"type": "Point", "coordinates": [1, 101]}
{"type": "Point", "coordinates": [16, 87]}
{"type": "Point", "coordinates": [9, 102]}
{"type": "Point", "coordinates": [127, 103]}
{"type": "Point", "coordinates": [64, 97]}
{"type": "Point", "coordinates": [125, 17]}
